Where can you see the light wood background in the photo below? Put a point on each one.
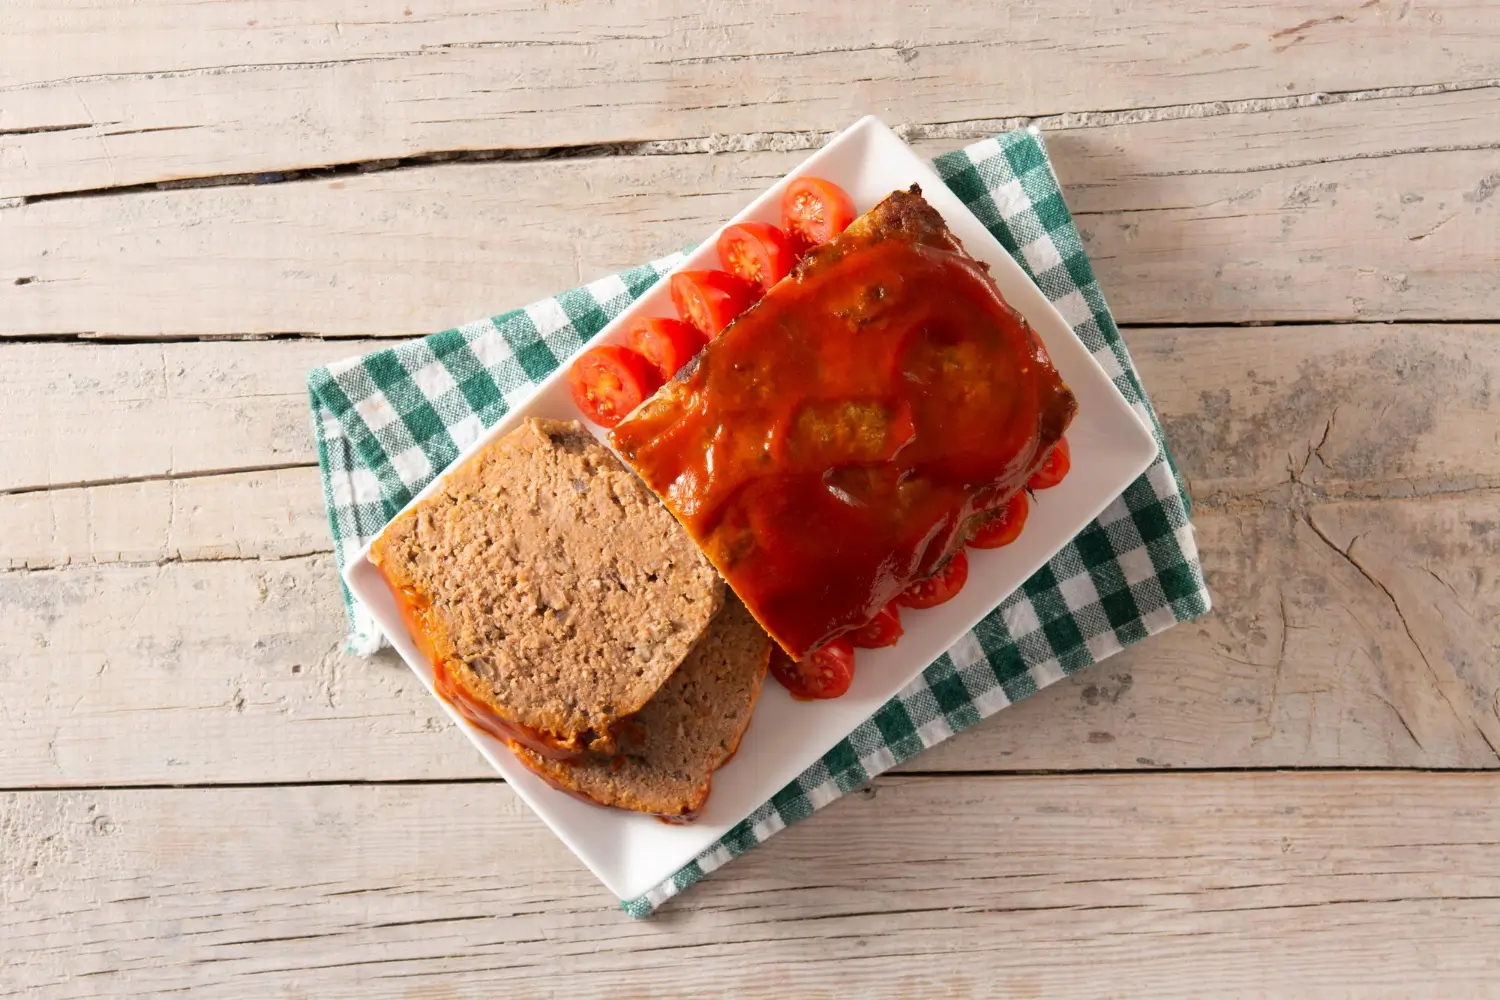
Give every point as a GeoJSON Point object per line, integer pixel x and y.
{"type": "Point", "coordinates": [1292, 208]}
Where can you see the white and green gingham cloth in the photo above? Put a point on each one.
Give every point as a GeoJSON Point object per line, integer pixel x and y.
{"type": "Point", "coordinates": [388, 422]}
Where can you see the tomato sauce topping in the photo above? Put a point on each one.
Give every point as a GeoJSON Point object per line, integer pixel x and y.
{"type": "Point", "coordinates": [831, 445]}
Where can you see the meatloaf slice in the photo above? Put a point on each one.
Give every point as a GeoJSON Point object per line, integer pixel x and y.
{"type": "Point", "coordinates": [669, 751]}
{"type": "Point", "coordinates": [554, 589]}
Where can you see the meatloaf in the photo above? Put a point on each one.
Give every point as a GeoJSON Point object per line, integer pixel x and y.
{"type": "Point", "coordinates": [552, 592]}
{"type": "Point", "coordinates": [669, 750]}
{"type": "Point", "coordinates": [839, 440]}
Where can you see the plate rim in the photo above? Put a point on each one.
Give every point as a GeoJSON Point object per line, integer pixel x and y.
{"type": "Point", "coordinates": [527, 785]}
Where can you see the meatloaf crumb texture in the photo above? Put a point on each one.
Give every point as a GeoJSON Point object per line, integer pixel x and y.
{"type": "Point", "coordinates": [564, 592]}
{"type": "Point", "coordinates": [670, 749]}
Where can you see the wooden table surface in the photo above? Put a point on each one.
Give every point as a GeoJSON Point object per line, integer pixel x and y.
{"type": "Point", "coordinates": [1292, 210]}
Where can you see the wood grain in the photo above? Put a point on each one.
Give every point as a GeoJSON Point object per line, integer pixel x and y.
{"type": "Point", "coordinates": [1364, 410]}
{"type": "Point", "coordinates": [1330, 412]}
{"type": "Point", "coordinates": [244, 515]}
{"type": "Point", "coordinates": [1376, 209]}
{"type": "Point", "coordinates": [78, 413]}
{"type": "Point", "coordinates": [1326, 411]}
{"type": "Point", "coordinates": [1309, 661]}
{"type": "Point", "coordinates": [1337, 644]}
{"type": "Point", "coordinates": [169, 614]}
{"type": "Point", "coordinates": [257, 85]}
{"type": "Point", "coordinates": [1310, 885]}
{"type": "Point", "coordinates": [224, 670]}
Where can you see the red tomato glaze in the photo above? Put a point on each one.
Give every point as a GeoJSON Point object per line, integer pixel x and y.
{"type": "Point", "coordinates": [830, 446]}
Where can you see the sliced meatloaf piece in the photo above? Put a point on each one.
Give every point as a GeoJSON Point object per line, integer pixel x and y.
{"type": "Point", "coordinates": [555, 592]}
{"type": "Point", "coordinates": [670, 749]}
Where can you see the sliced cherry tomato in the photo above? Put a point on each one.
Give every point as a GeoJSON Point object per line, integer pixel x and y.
{"type": "Point", "coordinates": [667, 344]}
{"type": "Point", "coordinates": [882, 630]}
{"type": "Point", "coordinates": [609, 381]}
{"type": "Point", "coordinates": [710, 300]}
{"type": "Point", "coordinates": [814, 211]}
{"type": "Point", "coordinates": [823, 673]}
{"type": "Point", "coordinates": [1004, 525]}
{"type": "Point", "coordinates": [939, 587]}
{"type": "Point", "coordinates": [1053, 468]}
{"type": "Point", "coordinates": [758, 252]}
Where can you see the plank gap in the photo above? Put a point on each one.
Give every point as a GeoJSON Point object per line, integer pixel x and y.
{"type": "Point", "coordinates": [311, 335]}
{"type": "Point", "coordinates": [1125, 771]}
{"type": "Point", "coordinates": [808, 139]}
{"type": "Point", "coordinates": [156, 478]}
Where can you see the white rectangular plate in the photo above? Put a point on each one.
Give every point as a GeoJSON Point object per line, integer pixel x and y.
{"type": "Point", "coordinates": [1110, 445]}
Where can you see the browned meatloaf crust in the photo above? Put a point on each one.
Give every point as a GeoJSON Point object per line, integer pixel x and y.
{"type": "Point", "coordinates": [562, 594]}
{"type": "Point", "coordinates": [671, 748]}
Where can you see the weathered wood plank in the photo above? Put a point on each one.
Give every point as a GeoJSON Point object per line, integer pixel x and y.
{"type": "Point", "coordinates": [1349, 490]}
{"type": "Point", "coordinates": [208, 89]}
{"type": "Point", "coordinates": [1383, 654]}
{"type": "Point", "coordinates": [1351, 411]}
{"type": "Point", "coordinates": [1311, 885]}
{"type": "Point", "coordinates": [1342, 410]}
{"type": "Point", "coordinates": [200, 671]}
{"type": "Point", "coordinates": [1345, 634]}
{"type": "Point", "coordinates": [1382, 212]}
{"type": "Point", "coordinates": [80, 413]}
{"type": "Point", "coordinates": [1358, 210]}
{"type": "Point", "coordinates": [1202, 695]}
{"type": "Point", "coordinates": [1438, 592]}
{"type": "Point", "coordinates": [1406, 410]}
{"type": "Point", "coordinates": [245, 515]}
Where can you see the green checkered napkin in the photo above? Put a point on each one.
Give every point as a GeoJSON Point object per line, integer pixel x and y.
{"type": "Point", "coordinates": [387, 423]}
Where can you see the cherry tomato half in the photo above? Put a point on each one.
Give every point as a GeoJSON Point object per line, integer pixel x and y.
{"type": "Point", "coordinates": [710, 300]}
{"type": "Point", "coordinates": [939, 587]}
{"type": "Point", "coordinates": [758, 252]}
{"type": "Point", "coordinates": [1004, 525]}
{"type": "Point", "coordinates": [609, 381]}
{"type": "Point", "coordinates": [1053, 468]}
{"type": "Point", "coordinates": [814, 211]}
{"type": "Point", "coordinates": [823, 673]}
{"type": "Point", "coordinates": [882, 630]}
{"type": "Point", "coordinates": [666, 344]}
